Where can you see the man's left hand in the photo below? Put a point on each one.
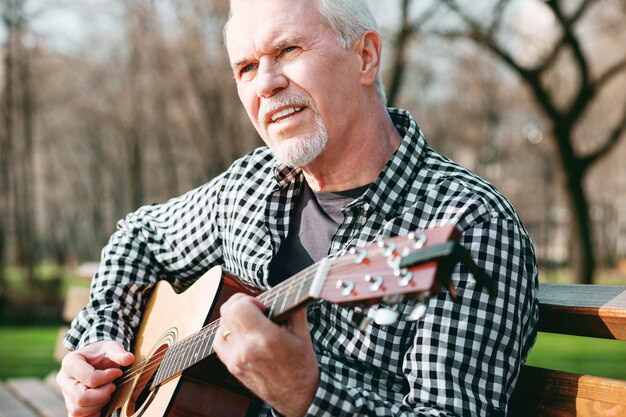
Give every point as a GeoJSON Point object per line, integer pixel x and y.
{"type": "Point", "coordinates": [276, 362]}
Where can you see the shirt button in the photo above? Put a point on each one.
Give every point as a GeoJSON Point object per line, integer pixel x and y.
{"type": "Point", "coordinates": [259, 273]}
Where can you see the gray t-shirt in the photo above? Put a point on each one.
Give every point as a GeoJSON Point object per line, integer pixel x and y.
{"type": "Point", "coordinates": [313, 224]}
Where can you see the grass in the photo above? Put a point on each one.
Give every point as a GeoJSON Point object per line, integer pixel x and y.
{"type": "Point", "coordinates": [582, 355]}
{"type": "Point", "coordinates": [27, 351]}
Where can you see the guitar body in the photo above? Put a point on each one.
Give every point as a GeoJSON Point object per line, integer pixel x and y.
{"type": "Point", "coordinates": [205, 389]}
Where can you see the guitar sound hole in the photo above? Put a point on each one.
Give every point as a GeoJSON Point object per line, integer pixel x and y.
{"type": "Point", "coordinates": [142, 395]}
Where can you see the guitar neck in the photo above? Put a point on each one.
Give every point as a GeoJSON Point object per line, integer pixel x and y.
{"type": "Point", "coordinates": [281, 300]}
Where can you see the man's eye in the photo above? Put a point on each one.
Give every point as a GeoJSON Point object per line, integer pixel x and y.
{"type": "Point", "coordinates": [246, 68]}
{"type": "Point", "coordinates": [289, 50]}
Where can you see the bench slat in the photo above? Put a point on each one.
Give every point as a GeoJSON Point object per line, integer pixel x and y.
{"type": "Point", "coordinates": [12, 407]}
{"type": "Point", "coordinates": [583, 310]}
{"type": "Point", "coordinates": [543, 392]}
{"type": "Point", "coordinates": [36, 394]}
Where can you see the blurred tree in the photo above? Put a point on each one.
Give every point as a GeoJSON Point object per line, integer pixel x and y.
{"type": "Point", "coordinates": [406, 31]}
{"type": "Point", "coordinates": [564, 112]}
{"type": "Point", "coordinates": [18, 151]}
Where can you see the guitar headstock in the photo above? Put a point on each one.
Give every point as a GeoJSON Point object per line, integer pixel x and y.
{"type": "Point", "coordinates": [391, 270]}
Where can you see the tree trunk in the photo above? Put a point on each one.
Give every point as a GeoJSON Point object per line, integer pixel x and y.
{"type": "Point", "coordinates": [582, 251]}
{"type": "Point", "coordinates": [399, 59]}
{"type": "Point", "coordinates": [135, 166]}
{"type": "Point", "coordinates": [26, 185]}
{"type": "Point", "coordinates": [6, 152]}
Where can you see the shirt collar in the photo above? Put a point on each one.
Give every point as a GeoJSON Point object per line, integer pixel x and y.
{"type": "Point", "coordinates": [389, 190]}
{"type": "Point", "coordinates": [386, 192]}
{"type": "Point", "coordinates": [285, 175]}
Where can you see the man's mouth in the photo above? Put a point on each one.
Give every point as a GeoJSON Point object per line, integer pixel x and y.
{"type": "Point", "coordinates": [285, 113]}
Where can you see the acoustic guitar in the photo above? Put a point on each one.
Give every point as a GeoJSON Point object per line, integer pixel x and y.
{"type": "Point", "coordinates": [176, 373]}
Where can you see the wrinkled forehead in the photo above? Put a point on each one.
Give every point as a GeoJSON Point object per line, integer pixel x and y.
{"type": "Point", "coordinates": [259, 22]}
{"type": "Point", "coordinates": [242, 5]}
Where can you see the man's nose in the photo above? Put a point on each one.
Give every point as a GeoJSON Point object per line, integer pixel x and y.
{"type": "Point", "coordinates": [270, 78]}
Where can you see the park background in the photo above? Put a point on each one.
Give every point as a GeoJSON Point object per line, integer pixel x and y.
{"type": "Point", "coordinates": [109, 105]}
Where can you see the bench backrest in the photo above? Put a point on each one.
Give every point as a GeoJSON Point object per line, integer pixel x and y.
{"type": "Point", "coordinates": [581, 310]}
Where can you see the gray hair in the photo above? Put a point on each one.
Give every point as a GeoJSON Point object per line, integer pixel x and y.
{"type": "Point", "coordinates": [348, 19]}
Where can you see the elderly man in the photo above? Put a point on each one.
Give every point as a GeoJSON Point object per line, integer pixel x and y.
{"type": "Point", "coordinates": [341, 169]}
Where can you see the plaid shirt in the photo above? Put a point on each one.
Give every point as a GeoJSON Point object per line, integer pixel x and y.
{"type": "Point", "coordinates": [462, 358]}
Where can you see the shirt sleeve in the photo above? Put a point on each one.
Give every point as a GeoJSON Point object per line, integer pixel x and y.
{"type": "Point", "coordinates": [466, 354]}
{"type": "Point", "coordinates": [176, 241]}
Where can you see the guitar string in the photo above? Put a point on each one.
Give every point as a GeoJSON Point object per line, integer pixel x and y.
{"type": "Point", "coordinates": [208, 331]}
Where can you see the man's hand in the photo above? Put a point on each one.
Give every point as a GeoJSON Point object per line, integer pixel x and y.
{"type": "Point", "coordinates": [87, 374]}
{"type": "Point", "coordinates": [276, 362]}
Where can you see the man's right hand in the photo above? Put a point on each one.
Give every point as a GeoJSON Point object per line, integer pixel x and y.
{"type": "Point", "coordinates": [87, 374]}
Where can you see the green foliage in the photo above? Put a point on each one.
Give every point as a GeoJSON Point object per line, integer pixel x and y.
{"type": "Point", "coordinates": [27, 351]}
{"type": "Point", "coordinates": [46, 275]}
{"type": "Point", "coordinates": [40, 303]}
{"type": "Point", "coordinates": [582, 355]}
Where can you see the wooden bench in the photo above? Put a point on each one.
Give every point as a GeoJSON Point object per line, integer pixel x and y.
{"type": "Point", "coordinates": [583, 310]}
{"type": "Point", "coordinates": [578, 310]}
{"type": "Point", "coordinates": [34, 397]}
{"type": "Point", "coordinates": [31, 397]}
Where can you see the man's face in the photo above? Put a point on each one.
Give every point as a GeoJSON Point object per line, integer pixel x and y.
{"type": "Point", "coordinates": [295, 81]}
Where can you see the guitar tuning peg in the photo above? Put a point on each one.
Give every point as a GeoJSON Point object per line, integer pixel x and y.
{"type": "Point", "coordinates": [383, 316]}
{"type": "Point", "coordinates": [375, 282]}
{"type": "Point", "coordinates": [359, 253]}
{"type": "Point", "coordinates": [359, 318]}
{"type": "Point", "coordinates": [417, 312]}
{"type": "Point", "coordinates": [346, 287]}
{"type": "Point", "coordinates": [388, 246]}
{"type": "Point", "coordinates": [419, 239]}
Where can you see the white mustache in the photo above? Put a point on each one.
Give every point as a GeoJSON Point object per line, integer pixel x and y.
{"type": "Point", "coordinates": [268, 107]}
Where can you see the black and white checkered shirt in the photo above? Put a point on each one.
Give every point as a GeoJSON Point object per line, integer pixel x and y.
{"type": "Point", "coordinates": [462, 358]}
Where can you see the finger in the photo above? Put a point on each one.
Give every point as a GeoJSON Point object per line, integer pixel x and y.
{"type": "Point", "coordinates": [108, 354]}
{"type": "Point", "coordinates": [81, 400]}
{"type": "Point", "coordinates": [91, 397]}
{"type": "Point", "coordinates": [76, 366]}
{"type": "Point", "coordinates": [74, 410]}
{"type": "Point", "coordinates": [238, 297]}
{"type": "Point", "coordinates": [118, 354]}
{"type": "Point", "coordinates": [244, 314]}
{"type": "Point", "coordinates": [221, 348]}
{"type": "Point", "coordinates": [298, 324]}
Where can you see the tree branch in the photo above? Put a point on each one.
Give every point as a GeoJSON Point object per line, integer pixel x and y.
{"type": "Point", "coordinates": [407, 29]}
{"type": "Point", "coordinates": [530, 75]}
{"type": "Point", "coordinates": [609, 74]}
{"type": "Point", "coordinates": [497, 19]}
{"type": "Point", "coordinates": [586, 91]}
{"type": "Point", "coordinates": [558, 46]}
{"type": "Point", "coordinates": [614, 137]}
{"type": "Point", "coordinates": [566, 25]}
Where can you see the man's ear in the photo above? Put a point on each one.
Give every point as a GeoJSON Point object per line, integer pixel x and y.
{"type": "Point", "coordinates": [369, 47]}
